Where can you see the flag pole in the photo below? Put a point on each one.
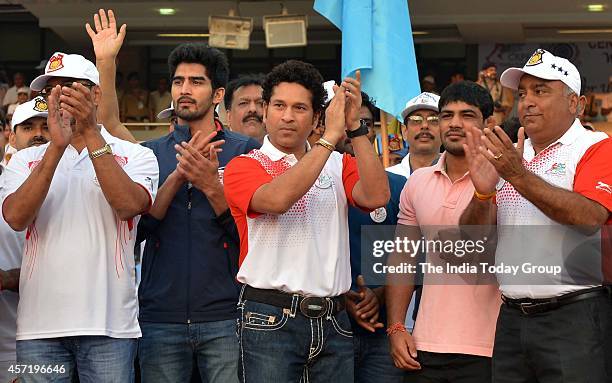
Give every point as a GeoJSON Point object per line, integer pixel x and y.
{"type": "Point", "coordinates": [384, 138]}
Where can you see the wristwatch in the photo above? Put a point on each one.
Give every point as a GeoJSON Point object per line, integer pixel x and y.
{"type": "Point", "coordinates": [106, 149]}
{"type": "Point", "coordinates": [362, 130]}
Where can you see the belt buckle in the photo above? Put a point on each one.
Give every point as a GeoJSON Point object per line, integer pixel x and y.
{"type": "Point", "coordinates": [525, 305]}
{"type": "Point", "coordinates": [313, 307]}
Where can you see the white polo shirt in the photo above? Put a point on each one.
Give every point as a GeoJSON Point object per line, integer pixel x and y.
{"type": "Point", "coordinates": [577, 161]}
{"type": "Point", "coordinates": [305, 250]}
{"type": "Point", "coordinates": [11, 245]}
{"type": "Point", "coordinates": [77, 273]}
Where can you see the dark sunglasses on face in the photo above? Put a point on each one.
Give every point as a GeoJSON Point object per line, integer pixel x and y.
{"type": "Point", "coordinates": [47, 89]}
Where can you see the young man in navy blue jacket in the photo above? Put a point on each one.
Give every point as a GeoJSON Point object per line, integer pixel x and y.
{"type": "Point", "coordinates": [188, 292]}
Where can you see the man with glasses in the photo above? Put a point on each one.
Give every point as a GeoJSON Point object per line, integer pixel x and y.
{"type": "Point", "coordinates": [422, 132]}
{"type": "Point", "coordinates": [79, 197]}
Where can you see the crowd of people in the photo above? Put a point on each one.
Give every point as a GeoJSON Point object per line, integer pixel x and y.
{"type": "Point", "coordinates": [254, 232]}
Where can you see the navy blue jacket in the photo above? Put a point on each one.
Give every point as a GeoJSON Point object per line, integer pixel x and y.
{"type": "Point", "coordinates": [190, 260]}
{"type": "Point", "coordinates": [358, 218]}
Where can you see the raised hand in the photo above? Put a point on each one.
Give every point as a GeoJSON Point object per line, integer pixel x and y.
{"type": "Point", "coordinates": [194, 167]}
{"type": "Point", "coordinates": [335, 116]}
{"type": "Point", "coordinates": [59, 125]}
{"type": "Point", "coordinates": [501, 153]}
{"type": "Point", "coordinates": [483, 174]}
{"type": "Point", "coordinates": [78, 101]}
{"type": "Point", "coordinates": [105, 39]}
{"type": "Point", "coordinates": [353, 101]}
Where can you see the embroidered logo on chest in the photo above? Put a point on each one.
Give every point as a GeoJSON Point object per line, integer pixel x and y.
{"type": "Point", "coordinates": [324, 181]}
{"type": "Point", "coordinates": [557, 169]}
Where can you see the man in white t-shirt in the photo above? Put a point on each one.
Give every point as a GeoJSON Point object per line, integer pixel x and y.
{"type": "Point", "coordinates": [79, 197]}
{"type": "Point", "coordinates": [29, 129]}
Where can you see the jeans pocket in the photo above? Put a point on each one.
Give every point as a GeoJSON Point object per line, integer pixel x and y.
{"type": "Point", "coordinates": [341, 322]}
{"type": "Point", "coordinates": [263, 317]}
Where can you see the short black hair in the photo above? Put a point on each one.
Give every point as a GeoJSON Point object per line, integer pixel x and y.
{"type": "Point", "coordinates": [298, 72]}
{"type": "Point", "coordinates": [488, 65]}
{"type": "Point", "coordinates": [369, 103]}
{"type": "Point", "coordinates": [215, 61]}
{"type": "Point", "coordinates": [470, 93]}
{"type": "Point", "coordinates": [242, 80]}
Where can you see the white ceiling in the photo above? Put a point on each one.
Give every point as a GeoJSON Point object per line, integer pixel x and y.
{"type": "Point", "coordinates": [466, 21]}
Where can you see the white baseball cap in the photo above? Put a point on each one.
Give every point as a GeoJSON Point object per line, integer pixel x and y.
{"type": "Point", "coordinates": [166, 113]}
{"type": "Point", "coordinates": [424, 100]}
{"type": "Point", "coordinates": [544, 65]}
{"type": "Point", "coordinates": [65, 65]}
{"type": "Point", "coordinates": [33, 108]}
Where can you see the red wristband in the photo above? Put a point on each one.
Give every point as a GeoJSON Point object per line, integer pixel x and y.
{"type": "Point", "coordinates": [395, 328]}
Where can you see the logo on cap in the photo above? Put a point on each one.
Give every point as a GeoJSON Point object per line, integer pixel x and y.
{"type": "Point", "coordinates": [40, 105]}
{"type": "Point", "coordinates": [55, 62]}
{"type": "Point", "coordinates": [536, 58]}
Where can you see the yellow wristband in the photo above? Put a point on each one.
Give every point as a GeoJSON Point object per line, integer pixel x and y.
{"type": "Point", "coordinates": [484, 197]}
{"type": "Point", "coordinates": [326, 144]}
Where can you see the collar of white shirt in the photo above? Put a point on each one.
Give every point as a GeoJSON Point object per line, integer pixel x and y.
{"type": "Point", "coordinates": [276, 155]}
{"type": "Point", "coordinates": [570, 136]}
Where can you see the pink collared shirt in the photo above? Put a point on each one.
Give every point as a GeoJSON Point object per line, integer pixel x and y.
{"type": "Point", "coordinates": [452, 318]}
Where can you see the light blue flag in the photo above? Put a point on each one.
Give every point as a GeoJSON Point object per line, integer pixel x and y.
{"type": "Point", "coordinates": [377, 38]}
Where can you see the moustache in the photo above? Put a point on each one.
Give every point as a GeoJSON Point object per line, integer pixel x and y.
{"type": "Point", "coordinates": [424, 134]}
{"type": "Point", "coordinates": [39, 140]}
{"type": "Point", "coordinates": [456, 131]}
{"type": "Point", "coordinates": [185, 98]}
{"type": "Point", "coordinates": [254, 116]}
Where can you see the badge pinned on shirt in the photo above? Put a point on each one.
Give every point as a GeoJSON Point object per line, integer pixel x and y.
{"type": "Point", "coordinates": [379, 215]}
{"type": "Point", "coordinates": [324, 181]}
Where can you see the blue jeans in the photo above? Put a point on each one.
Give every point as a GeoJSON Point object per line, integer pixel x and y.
{"type": "Point", "coordinates": [98, 359]}
{"type": "Point", "coordinates": [167, 351]}
{"type": "Point", "coordinates": [373, 362]}
{"type": "Point", "coordinates": [282, 345]}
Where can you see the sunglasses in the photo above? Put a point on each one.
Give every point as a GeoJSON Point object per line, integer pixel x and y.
{"type": "Point", "coordinates": [418, 120]}
{"type": "Point", "coordinates": [47, 89]}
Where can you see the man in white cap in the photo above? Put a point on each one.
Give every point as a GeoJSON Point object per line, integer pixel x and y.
{"type": "Point", "coordinates": [422, 133]}
{"type": "Point", "coordinates": [79, 197]}
{"type": "Point", "coordinates": [552, 327]}
{"type": "Point", "coordinates": [29, 129]}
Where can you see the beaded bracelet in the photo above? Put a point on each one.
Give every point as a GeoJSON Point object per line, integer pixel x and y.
{"type": "Point", "coordinates": [395, 328]}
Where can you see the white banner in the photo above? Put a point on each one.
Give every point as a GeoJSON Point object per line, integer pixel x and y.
{"type": "Point", "coordinates": [593, 59]}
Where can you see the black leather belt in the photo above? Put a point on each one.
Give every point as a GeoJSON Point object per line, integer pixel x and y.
{"type": "Point", "coordinates": [310, 307]}
{"type": "Point", "coordinates": [530, 306]}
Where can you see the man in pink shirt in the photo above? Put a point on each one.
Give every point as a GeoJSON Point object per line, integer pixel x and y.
{"type": "Point", "coordinates": [455, 327]}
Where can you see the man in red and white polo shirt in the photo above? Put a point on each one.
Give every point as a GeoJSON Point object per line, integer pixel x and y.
{"type": "Point", "coordinates": [79, 197]}
{"type": "Point", "coordinates": [553, 197]}
{"type": "Point", "coordinates": [290, 204]}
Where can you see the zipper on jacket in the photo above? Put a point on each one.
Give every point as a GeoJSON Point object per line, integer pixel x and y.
{"type": "Point", "coordinates": [189, 196]}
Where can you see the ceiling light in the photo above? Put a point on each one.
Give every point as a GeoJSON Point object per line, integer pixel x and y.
{"type": "Point", "coordinates": [583, 31]}
{"type": "Point", "coordinates": [183, 35]}
{"type": "Point", "coordinates": [167, 11]}
{"type": "Point", "coordinates": [596, 7]}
